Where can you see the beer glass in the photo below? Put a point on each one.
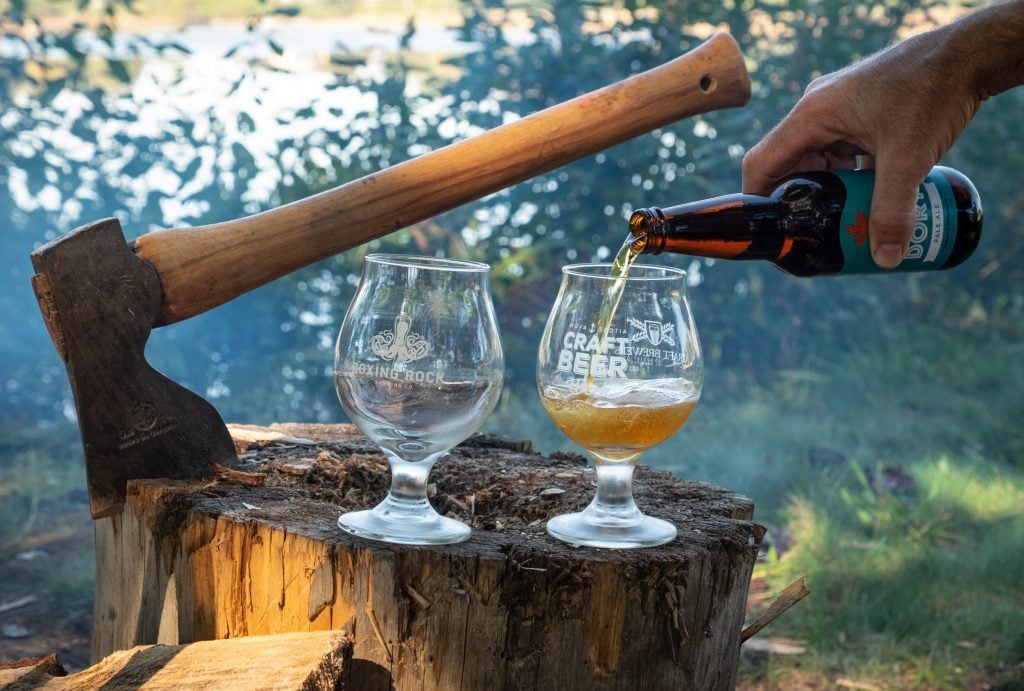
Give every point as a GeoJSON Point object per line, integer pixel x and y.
{"type": "Point", "coordinates": [619, 371]}
{"type": "Point", "coordinates": [418, 366]}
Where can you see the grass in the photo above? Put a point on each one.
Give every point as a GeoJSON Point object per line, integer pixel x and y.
{"type": "Point", "coordinates": [924, 584]}
{"type": "Point", "coordinates": [38, 469]}
{"type": "Point", "coordinates": [914, 585]}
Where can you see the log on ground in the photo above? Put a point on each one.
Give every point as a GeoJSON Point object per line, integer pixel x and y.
{"type": "Point", "coordinates": [258, 551]}
{"type": "Point", "coordinates": [316, 661]}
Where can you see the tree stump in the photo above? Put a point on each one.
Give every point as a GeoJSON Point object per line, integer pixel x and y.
{"type": "Point", "coordinates": [258, 551]}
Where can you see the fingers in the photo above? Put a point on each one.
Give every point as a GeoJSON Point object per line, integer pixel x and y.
{"type": "Point", "coordinates": [794, 144]}
{"type": "Point", "coordinates": [764, 164]}
{"type": "Point", "coordinates": [891, 221]}
{"type": "Point", "coordinates": [806, 139]}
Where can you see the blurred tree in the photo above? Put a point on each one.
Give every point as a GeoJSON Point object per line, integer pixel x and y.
{"type": "Point", "coordinates": [263, 356]}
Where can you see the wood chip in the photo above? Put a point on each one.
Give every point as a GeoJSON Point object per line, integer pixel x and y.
{"type": "Point", "coordinates": [415, 595]}
{"type": "Point", "coordinates": [299, 467]}
{"type": "Point", "coordinates": [854, 684]}
{"type": "Point", "coordinates": [326, 457]}
{"type": "Point", "coordinates": [238, 477]}
{"type": "Point", "coordinates": [794, 592]}
{"type": "Point", "coordinates": [776, 646]}
{"type": "Point", "coordinates": [252, 436]}
{"type": "Point", "coordinates": [459, 504]}
{"type": "Point", "coordinates": [552, 492]}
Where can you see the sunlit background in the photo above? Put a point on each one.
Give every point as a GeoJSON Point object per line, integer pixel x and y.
{"type": "Point", "coordinates": [875, 421]}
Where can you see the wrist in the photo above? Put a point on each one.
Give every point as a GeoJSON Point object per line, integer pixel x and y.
{"type": "Point", "coordinates": [989, 44]}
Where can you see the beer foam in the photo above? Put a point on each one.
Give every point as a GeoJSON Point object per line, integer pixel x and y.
{"type": "Point", "coordinates": [621, 393]}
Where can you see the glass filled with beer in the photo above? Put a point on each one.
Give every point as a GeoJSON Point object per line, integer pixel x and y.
{"type": "Point", "coordinates": [619, 371]}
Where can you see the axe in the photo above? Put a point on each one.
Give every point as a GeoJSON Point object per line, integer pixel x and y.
{"type": "Point", "coordinates": [101, 296]}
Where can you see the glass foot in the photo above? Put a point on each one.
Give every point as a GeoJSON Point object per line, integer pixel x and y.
{"type": "Point", "coordinates": [638, 531]}
{"type": "Point", "coordinates": [429, 529]}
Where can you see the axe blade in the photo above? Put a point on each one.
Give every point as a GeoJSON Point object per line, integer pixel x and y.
{"type": "Point", "coordinates": [99, 301]}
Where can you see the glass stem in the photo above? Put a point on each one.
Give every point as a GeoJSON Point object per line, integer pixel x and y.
{"type": "Point", "coordinates": [613, 501]}
{"type": "Point", "coordinates": [407, 498]}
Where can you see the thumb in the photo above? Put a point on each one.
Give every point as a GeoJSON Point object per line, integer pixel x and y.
{"type": "Point", "coordinates": [891, 221]}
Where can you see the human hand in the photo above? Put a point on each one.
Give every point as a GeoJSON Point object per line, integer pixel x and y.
{"type": "Point", "coordinates": [899, 110]}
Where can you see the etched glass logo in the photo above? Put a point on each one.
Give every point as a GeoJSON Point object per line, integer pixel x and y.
{"type": "Point", "coordinates": [400, 343]}
{"type": "Point", "coordinates": [653, 332]}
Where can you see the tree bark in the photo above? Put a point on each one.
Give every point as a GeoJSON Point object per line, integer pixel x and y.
{"type": "Point", "coordinates": [258, 551]}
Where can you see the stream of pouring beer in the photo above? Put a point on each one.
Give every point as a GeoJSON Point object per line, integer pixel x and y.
{"type": "Point", "coordinates": [620, 272]}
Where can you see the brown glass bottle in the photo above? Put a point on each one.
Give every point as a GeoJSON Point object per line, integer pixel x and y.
{"type": "Point", "coordinates": [815, 223]}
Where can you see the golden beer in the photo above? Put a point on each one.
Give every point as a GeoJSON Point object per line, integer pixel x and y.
{"type": "Point", "coordinates": [618, 419]}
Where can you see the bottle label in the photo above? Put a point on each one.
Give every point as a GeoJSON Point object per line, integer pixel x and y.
{"type": "Point", "coordinates": [934, 224]}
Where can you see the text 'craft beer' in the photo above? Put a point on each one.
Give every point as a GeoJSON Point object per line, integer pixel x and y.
{"type": "Point", "coordinates": [816, 223]}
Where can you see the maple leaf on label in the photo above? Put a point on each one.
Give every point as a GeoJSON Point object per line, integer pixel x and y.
{"type": "Point", "coordinates": [859, 228]}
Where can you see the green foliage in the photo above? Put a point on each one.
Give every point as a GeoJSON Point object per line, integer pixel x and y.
{"type": "Point", "coordinates": [39, 468]}
{"type": "Point", "coordinates": [920, 585]}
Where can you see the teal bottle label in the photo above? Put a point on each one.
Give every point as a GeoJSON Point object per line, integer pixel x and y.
{"type": "Point", "coordinates": [934, 224]}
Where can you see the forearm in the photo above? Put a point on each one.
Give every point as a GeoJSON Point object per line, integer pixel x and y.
{"type": "Point", "coordinates": [989, 44]}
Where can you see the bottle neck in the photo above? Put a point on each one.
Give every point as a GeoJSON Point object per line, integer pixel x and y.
{"type": "Point", "coordinates": [734, 226]}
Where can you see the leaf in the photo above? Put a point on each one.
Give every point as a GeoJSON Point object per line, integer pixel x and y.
{"type": "Point", "coordinates": [347, 60]}
{"type": "Point", "coordinates": [119, 71]}
{"type": "Point", "coordinates": [174, 45]}
{"type": "Point", "coordinates": [53, 87]}
{"type": "Point", "coordinates": [406, 39]}
{"type": "Point", "coordinates": [246, 123]}
{"type": "Point", "coordinates": [244, 161]}
{"type": "Point", "coordinates": [234, 87]}
{"type": "Point", "coordinates": [193, 167]}
{"type": "Point", "coordinates": [106, 34]}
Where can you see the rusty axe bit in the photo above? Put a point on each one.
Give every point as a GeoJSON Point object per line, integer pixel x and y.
{"type": "Point", "coordinates": [101, 297]}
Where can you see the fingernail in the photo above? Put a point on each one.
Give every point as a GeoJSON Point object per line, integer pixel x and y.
{"type": "Point", "coordinates": [888, 255]}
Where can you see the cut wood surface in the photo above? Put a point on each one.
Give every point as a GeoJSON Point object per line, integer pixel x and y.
{"type": "Point", "coordinates": [317, 661]}
{"type": "Point", "coordinates": [511, 608]}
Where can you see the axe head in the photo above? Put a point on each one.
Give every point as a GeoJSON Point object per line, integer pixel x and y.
{"type": "Point", "coordinates": [99, 301]}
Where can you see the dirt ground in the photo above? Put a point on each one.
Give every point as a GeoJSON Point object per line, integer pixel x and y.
{"type": "Point", "coordinates": [45, 598]}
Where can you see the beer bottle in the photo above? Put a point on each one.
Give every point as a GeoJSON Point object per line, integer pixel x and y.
{"type": "Point", "coordinates": [816, 223]}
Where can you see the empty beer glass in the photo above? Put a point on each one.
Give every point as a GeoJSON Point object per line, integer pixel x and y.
{"type": "Point", "coordinates": [418, 367]}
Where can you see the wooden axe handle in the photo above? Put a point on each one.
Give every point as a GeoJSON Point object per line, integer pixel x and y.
{"type": "Point", "coordinates": [205, 266]}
